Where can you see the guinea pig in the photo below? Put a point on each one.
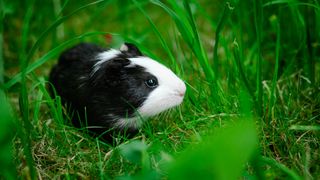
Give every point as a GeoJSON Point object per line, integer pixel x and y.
{"type": "Point", "coordinates": [113, 91]}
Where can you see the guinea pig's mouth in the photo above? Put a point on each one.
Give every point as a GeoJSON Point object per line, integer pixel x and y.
{"type": "Point", "coordinates": [151, 109]}
{"type": "Point", "coordinates": [180, 94]}
{"type": "Point", "coordinates": [179, 99]}
{"type": "Point", "coordinates": [156, 107]}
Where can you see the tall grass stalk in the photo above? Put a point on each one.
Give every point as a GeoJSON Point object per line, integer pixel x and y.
{"type": "Point", "coordinates": [8, 169]}
{"type": "Point", "coordinates": [25, 131]}
{"type": "Point", "coordinates": [2, 14]}
{"type": "Point", "coordinates": [37, 107]}
{"type": "Point", "coordinates": [57, 10]}
{"type": "Point", "coordinates": [100, 160]}
{"type": "Point", "coordinates": [276, 69]}
{"type": "Point", "coordinates": [224, 17]}
{"type": "Point", "coordinates": [184, 20]}
{"type": "Point", "coordinates": [244, 80]}
{"type": "Point", "coordinates": [7, 165]}
{"type": "Point", "coordinates": [239, 60]}
{"type": "Point", "coordinates": [160, 37]}
{"type": "Point", "coordinates": [258, 21]}
{"type": "Point", "coordinates": [309, 40]}
{"type": "Point", "coordinates": [54, 104]}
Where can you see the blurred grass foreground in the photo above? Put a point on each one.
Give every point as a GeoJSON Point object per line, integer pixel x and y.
{"type": "Point", "coordinates": [252, 108]}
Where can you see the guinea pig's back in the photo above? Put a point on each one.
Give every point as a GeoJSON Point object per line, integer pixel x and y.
{"type": "Point", "coordinates": [73, 70]}
{"type": "Point", "coordinates": [83, 52]}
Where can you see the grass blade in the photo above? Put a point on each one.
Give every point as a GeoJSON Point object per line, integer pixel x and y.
{"type": "Point", "coordinates": [7, 132]}
{"type": "Point", "coordinates": [37, 107]}
{"type": "Point", "coordinates": [26, 129]}
{"type": "Point", "coordinates": [2, 14]}
{"type": "Point", "coordinates": [283, 168]}
{"type": "Point", "coordinates": [226, 11]}
{"type": "Point", "coordinates": [305, 128]}
{"type": "Point", "coordinates": [258, 21]}
{"type": "Point", "coordinates": [243, 77]}
{"type": "Point", "coordinates": [54, 104]}
{"type": "Point", "coordinates": [276, 69]}
{"type": "Point", "coordinates": [100, 161]}
{"type": "Point", "coordinates": [277, 2]}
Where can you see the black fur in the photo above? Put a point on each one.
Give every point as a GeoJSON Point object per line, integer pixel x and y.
{"type": "Point", "coordinates": [98, 99]}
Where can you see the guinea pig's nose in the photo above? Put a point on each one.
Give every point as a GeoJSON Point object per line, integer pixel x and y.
{"type": "Point", "coordinates": [181, 92]}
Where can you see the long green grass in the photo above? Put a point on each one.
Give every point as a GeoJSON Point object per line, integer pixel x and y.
{"type": "Point", "coordinates": [252, 108]}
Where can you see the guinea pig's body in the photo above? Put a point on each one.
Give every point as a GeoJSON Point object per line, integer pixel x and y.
{"type": "Point", "coordinates": [114, 90]}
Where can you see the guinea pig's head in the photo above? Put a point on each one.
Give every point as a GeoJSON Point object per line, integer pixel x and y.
{"type": "Point", "coordinates": [140, 85]}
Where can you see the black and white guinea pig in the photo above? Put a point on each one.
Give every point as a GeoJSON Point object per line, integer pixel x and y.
{"type": "Point", "coordinates": [114, 90]}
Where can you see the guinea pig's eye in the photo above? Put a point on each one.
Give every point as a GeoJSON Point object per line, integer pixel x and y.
{"type": "Point", "coordinates": [151, 83]}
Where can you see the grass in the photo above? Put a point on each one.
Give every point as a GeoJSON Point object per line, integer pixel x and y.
{"type": "Point", "coordinates": [252, 105]}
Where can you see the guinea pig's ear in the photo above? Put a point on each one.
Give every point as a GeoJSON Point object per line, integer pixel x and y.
{"type": "Point", "coordinates": [114, 70]}
{"type": "Point", "coordinates": [130, 50]}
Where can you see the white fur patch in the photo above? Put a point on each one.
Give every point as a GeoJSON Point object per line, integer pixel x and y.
{"type": "Point", "coordinates": [134, 122]}
{"type": "Point", "coordinates": [169, 93]}
{"type": "Point", "coordinates": [124, 47]}
{"type": "Point", "coordinates": [103, 57]}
